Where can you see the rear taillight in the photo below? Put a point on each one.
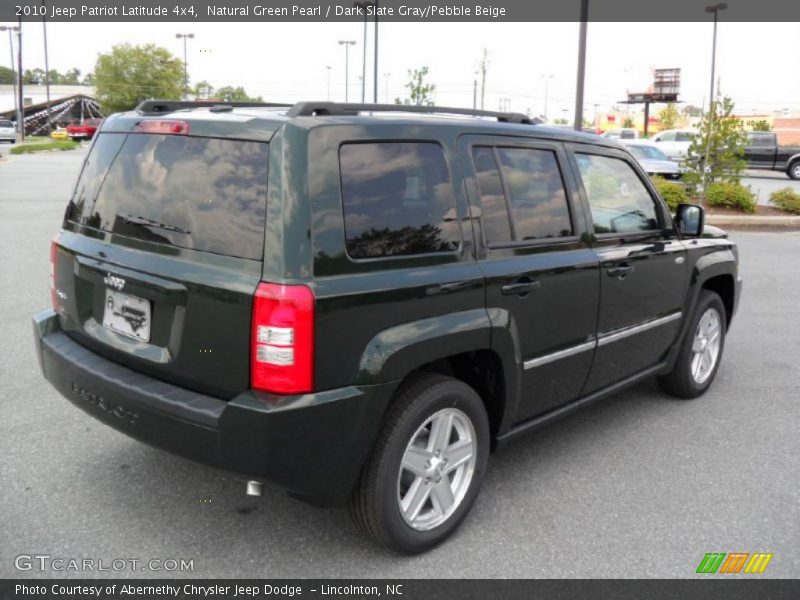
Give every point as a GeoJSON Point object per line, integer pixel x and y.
{"type": "Point", "coordinates": [53, 252]}
{"type": "Point", "coordinates": [166, 126]}
{"type": "Point", "coordinates": [282, 352]}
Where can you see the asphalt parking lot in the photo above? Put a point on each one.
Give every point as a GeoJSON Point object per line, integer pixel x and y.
{"type": "Point", "coordinates": [639, 485]}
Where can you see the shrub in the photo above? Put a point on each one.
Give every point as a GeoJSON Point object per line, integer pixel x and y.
{"type": "Point", "coordinates": [672, 192]}
{"type": "Point", "coordinates": [731, 195]}
{"type": "Point", "coordinates": [786, 199]}
{"type": "Point", "coordinates": [43, 146]}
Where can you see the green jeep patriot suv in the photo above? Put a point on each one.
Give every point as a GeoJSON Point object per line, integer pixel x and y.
{"type": "Point", "coordinates": [359, 302]}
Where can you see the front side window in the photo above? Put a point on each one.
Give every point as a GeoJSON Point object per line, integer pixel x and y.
{"type": "Point", "coordinates": [397, 199]}
{"type": "Point", "coordinates": [619, 201]}
{"type": "Point", "coordinates": [522, 194]}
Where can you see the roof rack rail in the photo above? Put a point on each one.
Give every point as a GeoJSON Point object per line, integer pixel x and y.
{"type": "Point", "coordinates": [166, 106]}
{"type": "Point", "coordinates": [308, 109]}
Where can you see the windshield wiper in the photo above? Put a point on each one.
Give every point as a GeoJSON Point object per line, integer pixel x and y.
{"type": "Point", "coordinates": [134, 220]}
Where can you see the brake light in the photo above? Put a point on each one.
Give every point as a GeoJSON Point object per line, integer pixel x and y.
{"type": "Point", "coordinates": [169, 127]}
{"type": "Point", "coordinates": [53, 252]}
{"type": "Point", "coordinates": [282, 344]}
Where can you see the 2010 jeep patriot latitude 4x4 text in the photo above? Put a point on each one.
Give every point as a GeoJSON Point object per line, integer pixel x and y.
{"type": "Point", "coordinates": [359, 306]}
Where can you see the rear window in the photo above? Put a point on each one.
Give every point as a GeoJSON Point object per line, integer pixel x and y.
{"type": "Point", "coordinates": [201, 193]}
{"type": "Point", "coordinates": [6, 124]}
{"type": "Point", "coordinates": [398, 200]}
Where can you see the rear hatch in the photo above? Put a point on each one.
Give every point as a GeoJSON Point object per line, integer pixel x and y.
{"type": "Point", "coordinates": [162, 249]}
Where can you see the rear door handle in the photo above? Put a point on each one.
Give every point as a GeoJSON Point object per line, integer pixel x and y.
{"type": "Point", "coordinates": [620, 271]}
{"type": "Point", "coordinates": [520, 288]}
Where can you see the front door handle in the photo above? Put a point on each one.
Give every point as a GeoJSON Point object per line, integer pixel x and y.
{"type": "Point", "coordinates": [621, 271]}
{"type": "Point", "coordinates": [520, 288]}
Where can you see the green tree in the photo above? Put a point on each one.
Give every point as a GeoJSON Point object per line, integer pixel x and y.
{"type": "Point", "coordinates": [71, 77]}
{"type": "Point", "coordinates": [762, 125]}
{"type": "Point", "coordinates": [628, 123]}
{"type": "Point", "coordinates": [88, 79]}
{"type": "Point", "coordinates": [669, 116]}
{"type": "Point", "coordinates": [7, 76]}
{"type": "Point", "coordinates": [129, 74]}
{"type": "Point", "coordinates": [235, 94]}
{"type": "Point", "coordinates": [692, 111]}
{"type": "Point", "coordinates": [33, 76]}
{"type": "Point", "coordinates": [723, 138]}
{"type": "Point", "coordinates": [203, 90]}
{"type": "Point", "coordinates": [420, 93]}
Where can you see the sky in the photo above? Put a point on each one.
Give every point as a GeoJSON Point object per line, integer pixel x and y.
{"type": "Point", "coordinates": [756, 62]}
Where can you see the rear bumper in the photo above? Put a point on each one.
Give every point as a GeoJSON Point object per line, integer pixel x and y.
{"type": "Point", "coordinates": [313, 445]}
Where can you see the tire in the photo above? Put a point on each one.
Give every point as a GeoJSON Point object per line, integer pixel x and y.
{"type": "Point", "coordinates": [686, 380]}
{"type": "Point", "coordinates": [794, 170]}
{"type": "Point", "coordinates": [386, 486]}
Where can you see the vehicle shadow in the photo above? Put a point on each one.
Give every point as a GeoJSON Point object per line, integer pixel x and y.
{"type": "Point", "coordinates": [276, 530]}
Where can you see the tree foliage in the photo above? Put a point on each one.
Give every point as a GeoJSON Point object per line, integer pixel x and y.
{"type": "Point", "coordinates": [7, 76]}
{"type": "Point", "coordinates": [420, 92]}
{"type": "Point", "coordinates": [762, 125]}
{"type": "Point", "coordinates": [129, 74]}
{"type": "Point", "coordinates": [692, 111]}
{"type": "Point", "coordinates": [669, 116]}
{"type": "Point", "coordinates": [723, 137]}
{"type": "Point", "coordinates": [235, 94]}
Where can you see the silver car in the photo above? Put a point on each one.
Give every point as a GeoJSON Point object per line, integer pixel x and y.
{"type": "Point", "coordinates": [652, 159]}
{"type": "Point", "coordinates": [8, 133]}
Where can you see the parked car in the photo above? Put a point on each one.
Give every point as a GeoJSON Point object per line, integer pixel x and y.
{"type": "Point", "coordinates": [83, 131]}
{"type": "Point", "coordinates": [359, 309]}
{"type": "Point", "coordinates": [59, 134]}
{"type": "Point", "coordinates": [652, 159]}
{"type": "Point", "coordinates": [625, 133]}
{"type": "Point", "coordinates": [675, 142]}
{"type": "Point", "coordinates": [8, 131]}
{"type": "Point", "coordinates": [763, 152]}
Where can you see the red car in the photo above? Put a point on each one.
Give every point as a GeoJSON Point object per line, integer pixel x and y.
{"type": "Point", "coordinates": [83, 131]}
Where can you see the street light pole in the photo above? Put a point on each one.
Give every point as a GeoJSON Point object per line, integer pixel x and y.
{"type": "Point", "coordinates": [14, 79]}
{"type": "Point", "coordinates": [714, 8]}
{"type": "Point", "coordinates": [578, 125]}
{"type": "Point", "coordinates": [347, 44]}
{"type": "Point", "coordinates": [185, 36]}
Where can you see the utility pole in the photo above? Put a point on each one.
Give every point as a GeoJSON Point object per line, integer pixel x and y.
{"type": "Point", "coordinates": [46, 68]}
{"type": "Point", "coordinates": [578, 125]}
{"type": "Point", "coordinates": [484, 65]}
{"type": "Point", "coordinates": [375, 62]}
{"type": "Point", "coordinates": [20, 80]}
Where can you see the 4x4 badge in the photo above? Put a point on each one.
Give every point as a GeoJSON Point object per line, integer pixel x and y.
{"type": "Point", "coordinates": [114, 282]}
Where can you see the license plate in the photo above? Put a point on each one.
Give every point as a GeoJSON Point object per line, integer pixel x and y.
{"type": "Point", "coordinates": [127, 315]}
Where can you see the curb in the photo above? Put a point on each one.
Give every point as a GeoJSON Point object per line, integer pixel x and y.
{"type": "Point", "coordinates": [755, 220]}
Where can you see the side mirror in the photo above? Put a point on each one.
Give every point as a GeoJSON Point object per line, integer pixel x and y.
{"type": "Point", "coordinates": [689, 219]}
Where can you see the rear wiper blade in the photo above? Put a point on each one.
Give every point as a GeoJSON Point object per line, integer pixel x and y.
{"type": "Point", "coordinates": [150, 223]}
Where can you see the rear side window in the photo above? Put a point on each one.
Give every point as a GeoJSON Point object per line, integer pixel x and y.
{"type": "Point", "coordinates": [522, 194]}
{"type": "Point", "coordinates": [684, 136]}
{"type": "Point", "coordinates": [397, 199]}
{"type": "Point", "coordinates": [201, 193]}
{"type": "Point", "coordinates": [6, 124]}
{"type": "Point", "coordinates": [619, 201]}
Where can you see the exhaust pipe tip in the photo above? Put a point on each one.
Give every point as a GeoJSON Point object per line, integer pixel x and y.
{"type": "Point", "coordinates": [254, 488]}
